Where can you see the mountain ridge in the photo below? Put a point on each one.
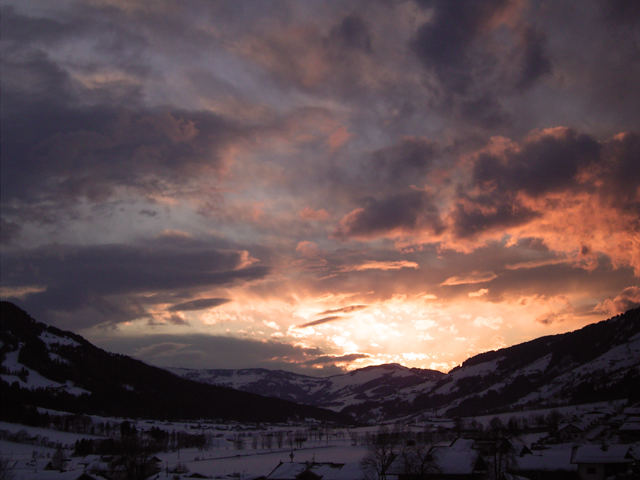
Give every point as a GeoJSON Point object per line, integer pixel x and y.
{"type": "Point", "coordinates": [595, 362]}
{"type": "Point", "coordinates": [44, 366]}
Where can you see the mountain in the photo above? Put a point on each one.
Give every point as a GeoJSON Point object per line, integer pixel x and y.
{"type": "Point", "coordinates": [390, 382]}
{"type": "Point", "coordinates": [47, 367]}
{"type": "Point", "coordinates": [598, 362]}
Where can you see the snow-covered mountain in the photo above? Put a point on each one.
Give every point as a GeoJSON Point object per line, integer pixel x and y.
{"type": "Point", "coordinates": [336, 392]}
{"type": "Point", "coordinates": [42, 366]}
{"type": "Point", "coordinates": [598, 362]}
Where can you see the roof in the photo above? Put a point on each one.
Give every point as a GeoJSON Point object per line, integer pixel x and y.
{"type": "Point", "coordinates": [459, 458]}
{"type": "Point", "coordinates": [570, 426]}
{"type": "Point", "coordinates": [324, 471]}
{"type": "Point", "coordinates": [551, 460]}
{"type": "Point", "coordinates": [600, 454]}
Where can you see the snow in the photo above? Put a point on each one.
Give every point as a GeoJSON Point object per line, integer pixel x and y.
{"type": "Point", "coordinates": [51, 339]}
{"type": "Point", "coordinates": [596, 454]}
{"type": "Point", "coordinates": [538, 366]}
{"type": "Point", "coordinates": [553, 459]}
{"type": "Point", "coordinates": [457, 459]}
{"type": "Point", "coordinates": [34, 380]}
{"type": "Point", "coordinates": [57, 358]}
{"type": "Point", "coordinates": [65, 438]}
{"type": "Point", "coordinates": [479, 370]}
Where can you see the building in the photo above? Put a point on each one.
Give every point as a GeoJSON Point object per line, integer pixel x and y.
{"type": "Point", "coordinates": [597, 462]}
{"type": "Point", "coordinates": [458, 460]}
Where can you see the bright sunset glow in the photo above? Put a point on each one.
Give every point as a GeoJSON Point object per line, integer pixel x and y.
{"type": "Point", "coordinates": [319, 186]}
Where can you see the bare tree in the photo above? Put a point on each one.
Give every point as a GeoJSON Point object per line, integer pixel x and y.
{"type": "Point", "coordinates": [382, 452]}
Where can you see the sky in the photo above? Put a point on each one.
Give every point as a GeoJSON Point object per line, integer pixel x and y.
{"type": "Point", "coordinates": [319, 186]}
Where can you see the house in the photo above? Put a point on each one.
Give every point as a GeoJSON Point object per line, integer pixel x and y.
{"type": "Point", "coordinates": [568, 432]}
{"type": "Point", "coordinates": [597, 462]}
{"type": "Point", "coordinates": [458, 460]}
{"type": "Point", "coordinates": [315, 471]}
{"type": "Point", "coordinates": [549, 464]}
{"type": "Point", "coordinates": [629, 431]}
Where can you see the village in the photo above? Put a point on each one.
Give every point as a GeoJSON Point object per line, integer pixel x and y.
{"type": "Point", "coordinates": [586, 442]}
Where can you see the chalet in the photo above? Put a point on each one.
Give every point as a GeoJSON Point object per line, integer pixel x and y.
{"type": "Point", "coordinates": [629, 431]}
{"type": "Point", "coordinates": [315, 471]}
{"type": "Point", "coordinates": [597, 462]}
{"type": "Point", "coordinates": [458, 460]}
{"type": "Point", "coordinates": [549, 464]}
{"type": "Point", "coordinates": [568, 432]}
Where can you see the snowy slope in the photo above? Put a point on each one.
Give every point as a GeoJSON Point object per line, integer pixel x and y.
{"type": "Point", "coordinates": [42, 366]}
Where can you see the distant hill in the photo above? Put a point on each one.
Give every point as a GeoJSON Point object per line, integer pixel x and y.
{"type": "Point", "coordinates": [598, 362]}
{"type": "Point", "coordinates": [47, 367]}
{"type": "Point", "coordinates": [337, 392]}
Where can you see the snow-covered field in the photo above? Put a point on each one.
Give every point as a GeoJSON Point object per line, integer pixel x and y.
{"type": "Point", "coordinates": [225, 457]}
{"type": "Point", "coordinates": [246, 451]}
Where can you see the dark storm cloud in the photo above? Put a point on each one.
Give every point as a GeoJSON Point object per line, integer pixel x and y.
{"type": "Point", "coordinates": [64, 141]}
{"type": "Point", "coordinates": [200, 304]}
{"type": "Point", "coordinates": [548, 161]}
{"type": "Point", "coordinates": [352, 32]}
{"type": "Point", "coordinates": [545, 163]}
{"type": "Point", "coordinates": [409, 211]}
{"type": "Point", "coordinates": [112, 278]}
{"type": "Point", "coordinates": [625, 12]}
{"type": "Point", "coordinates": [87, 152]}
{"type": "Point", "coordinates": [554, 279]}
{"type": "Point", "coordinates": [209, 351]}
{"type": "Point", "coordinates": [399, 165]}
{"type": "Point", "coordinates": [25, 29]}
{"type": "Point", "coordinates": [444, 42]}
{"type": "Point", "coordinates": [481, 54]}
{"type": "Point", "coordinates": [535, 61]}
{"type": "Point", "coordinates": [620, 171]}
{"type": "Point", "coordinates": [480, 213]}
{"type": "Point", "coordinates": [8, 231]}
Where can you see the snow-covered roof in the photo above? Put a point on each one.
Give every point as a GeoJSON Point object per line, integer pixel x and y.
{"type": "Point", "coordinates": [325, 471]}
{"type": "Point", "coordinates": [553, 459]}
{"type": "Point", "coordinates": [602, 454]}
{"type": "Point", "coordinates": [459, 458]}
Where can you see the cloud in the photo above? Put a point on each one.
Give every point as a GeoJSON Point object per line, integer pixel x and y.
{"type": "Point", "coordinates": [353, 33]}
{"type": "Point", "coordinates": [380, 265]}
{"type": "Point", "coordinates": [309, 213]}
{"type": "Point", "coordinates": [444, 43]}
{"type": "Point", "coordinates": [493, 323]}
{"type": "Point", "coordinates": [111, 283]}
{"type": "Point", "coordinates": [199, 304]}
{"type": "Point", "coordinates": [216, 351]}
{"type": "Point", "coordinates": [627, 299]}
{"type": "Point", "coordinates": [478, 293]}
{"type": "Point", "coordinates": [400, 165]}
{"type": "Point", "coordinates": [328, 319]}
{"type": "Point", "coordinates": [479, 54]}
{"type": "Point", "coordinates": [548, 160]}
{"type": "Point", "coordinates": [336, 358]}
{"type": "Point", "coordinates": [471, 279]}
{"type": "Point", "coordinates": [535, 61]}
{"type": "Point", "coordinates": [348, 309]}
{"type": "Point", "coordinates": [481, 213]}
{"type": "Point", "coordinates": [399, 213]}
